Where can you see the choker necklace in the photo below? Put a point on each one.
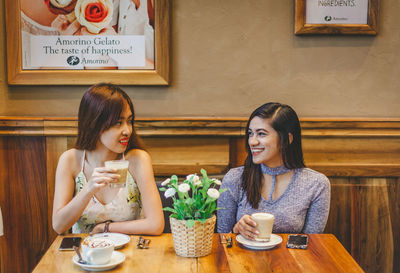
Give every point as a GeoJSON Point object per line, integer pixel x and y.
{"type": "Point", "coordinates": [273, 172]}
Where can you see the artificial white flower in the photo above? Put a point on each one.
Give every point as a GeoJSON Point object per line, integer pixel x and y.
{"type": "Point", "coordinates": [166, 182]}
{"type": "Point", "coordinates": [94, 14]}
{"type": "Point", "coordinates": [198, 182]}
{"type": "Point", "coordinates": [217, 181]}
{"type": "Point", "coordinates": [191, 176]}
{"type": "Point", "coordinates": [169, 192]}
{"type": "Point", "coordinates": [213, 193]}
{"type": "Point", "coordinates": [184, 188]}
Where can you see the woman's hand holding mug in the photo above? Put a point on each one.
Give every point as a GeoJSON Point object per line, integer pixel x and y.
{"type": "Point", "coordinates": [246, 227]}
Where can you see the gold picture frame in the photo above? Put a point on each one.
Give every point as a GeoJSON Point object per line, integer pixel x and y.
{"type": "Point", "coordinates": [158, 76]}
{"type": "Point", "coordinates": [303, 28]}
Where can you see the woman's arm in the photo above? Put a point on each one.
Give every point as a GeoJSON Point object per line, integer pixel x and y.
{"type": "Point", "coordinates": [66, 208]}
{"type": "Point", "coordinates": [318, 212]}
{"type": "Point", "coordinates": [153, 224]}
{"type": "Point", "coordinates": [228, 202]}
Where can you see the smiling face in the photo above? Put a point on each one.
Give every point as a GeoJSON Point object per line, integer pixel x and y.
{"type": "Point", "coordinates": [264, 143]}
{"type": "Point", "coordinates": [116, 137]}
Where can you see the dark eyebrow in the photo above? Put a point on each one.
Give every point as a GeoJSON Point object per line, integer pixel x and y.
{"type": "Point", "coordinates": [258, 130]}
{"type": "Point", "coordinates": [261, 130]}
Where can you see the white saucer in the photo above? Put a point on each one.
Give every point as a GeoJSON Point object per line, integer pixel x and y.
{"type": "Point", "coordinates": [119, 239]}
{"type": "Point", "coordinates": [274, 241]}
{"type": "Point", "coordinates": [116, 258]}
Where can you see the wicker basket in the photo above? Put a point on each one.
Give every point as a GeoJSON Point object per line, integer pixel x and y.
{"type": "Point", "coordinates": [195, 241]}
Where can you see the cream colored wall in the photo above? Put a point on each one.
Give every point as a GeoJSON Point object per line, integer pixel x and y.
{"type": "Point", "coordinates": [228, 57]}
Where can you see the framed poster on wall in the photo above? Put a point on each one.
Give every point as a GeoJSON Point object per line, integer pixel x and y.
{"type": "Point", "coordinates": [336, 17]}
{"type": "Point", "coordinates": [77, 42]}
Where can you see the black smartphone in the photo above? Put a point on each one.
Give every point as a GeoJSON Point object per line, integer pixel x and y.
{"type": "Point", "coordinates": [68, 243]}
{"type": "Point", "coordinates": [297, 241]}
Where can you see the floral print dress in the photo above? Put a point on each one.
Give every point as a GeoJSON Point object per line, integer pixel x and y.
{"type": "Point", "coordinates": [125, 206]}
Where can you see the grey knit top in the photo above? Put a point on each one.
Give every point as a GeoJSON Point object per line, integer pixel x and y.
{"type": "Point", "coordinates": [302, 208]}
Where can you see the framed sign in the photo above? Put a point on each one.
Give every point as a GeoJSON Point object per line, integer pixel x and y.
{"type": "Point", "coordinates": [336, 16]}
{"type": "Point", "coordinates": [79, 42]}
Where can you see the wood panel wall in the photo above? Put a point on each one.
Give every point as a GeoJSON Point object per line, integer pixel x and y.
{"type": "Point", "coordinates": [361, 158]}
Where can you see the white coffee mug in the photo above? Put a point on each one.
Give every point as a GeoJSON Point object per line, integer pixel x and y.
{"type": "Point", "coordinates": [265, 223]}
{"type": "Point", "coordinates": [97, 250]}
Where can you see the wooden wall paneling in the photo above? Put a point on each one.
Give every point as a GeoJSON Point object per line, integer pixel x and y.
{"type": "Point", "coordinates": [3, 204]}
{"type": "Point", "coordinates": [364, 147]}
{"type": "Point", "coordinates": [182, 156]}
{"type": "Point", "coordinates": [372, 234]}
{"type": "Point", "coordinates": [21, 126]}
{"type": "Point", "coordinates": [148, 127]}
{"type": "Point", "coordinates": [70, 142]}
{"type": "Point", "coordinates": [60, 126]}
{"type": "Point", "coordinates": [339, 221]}
{"type": "Point", "coordinates": [26, 203]}
{"type": "Point", "coordinates": [353, 156]}
{"type": "Point", "coordinates": [237, 151]}
{"type": "Point", "coordinates": [55, 146]}
{"type": "Point", "coordinates": [394, 201]}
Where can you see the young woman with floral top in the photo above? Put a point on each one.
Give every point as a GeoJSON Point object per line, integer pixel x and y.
{"type": "Point", "coordinates": [83, 200]}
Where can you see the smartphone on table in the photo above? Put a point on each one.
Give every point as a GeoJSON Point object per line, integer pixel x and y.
{"type": "Point", "coordinates": [298, 241]}
{"type": "Point", "coordinates": [68, 243]}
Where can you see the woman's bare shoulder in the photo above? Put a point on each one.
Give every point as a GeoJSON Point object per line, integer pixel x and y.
{"type": "Point", "coordinates": [71, 159]}
{"type": "Point", "coordinates": [137, 154]}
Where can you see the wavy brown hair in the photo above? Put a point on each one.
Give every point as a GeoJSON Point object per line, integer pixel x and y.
{"type": "Point", "coordinates": [101, 107]}
{"type": "Point", "coordinates": [284, 120]}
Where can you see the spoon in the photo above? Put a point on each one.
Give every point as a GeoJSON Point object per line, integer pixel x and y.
{"type": "Point", "coordinates": [81, 261]}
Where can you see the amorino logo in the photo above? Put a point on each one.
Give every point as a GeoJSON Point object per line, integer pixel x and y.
{"type": "Point", "coordinates": [73, 60]}
{"type": "Point", "coordinates": [330, 18]}
{"type": "Point", "coordinates": [340, 19]}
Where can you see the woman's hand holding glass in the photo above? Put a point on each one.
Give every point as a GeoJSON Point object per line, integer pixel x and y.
{"type": "Point", "coordinates": [246, 227]}
{"type": "Point", "coordinates": [101, 177]}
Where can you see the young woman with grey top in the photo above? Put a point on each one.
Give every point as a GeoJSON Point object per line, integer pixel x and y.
{"type": "Point", "coordinates": [274, 179]}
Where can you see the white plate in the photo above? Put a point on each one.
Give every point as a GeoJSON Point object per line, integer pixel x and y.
{"type": "Point", "coordinates": [275, 240]}
{"type": "Point", "coordinates": [119, 239]}
{"type": "Point", "coordinates": [116, 259]}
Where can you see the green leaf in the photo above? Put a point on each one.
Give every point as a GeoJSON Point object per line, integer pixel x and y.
{"type": "Point", "coordinates": [174, 178]}
{"type": "Point", "coordinates": [213, 206]}
{"type": "Point", "coordinates": [202, 220]}
{"type": "Point", "coordinates": [222, 190]}
{"type": "Point", "coordinates": [203, 173]}
{"type": "Point", "coordinates": [169, 209]}
{"type": "Point", "coordinates": [190, 223]}
{"type": "Point", "coordinates": [163, 189]}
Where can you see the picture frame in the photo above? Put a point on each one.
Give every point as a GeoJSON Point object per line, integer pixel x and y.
{"type": "Point", "coordinates": [354, 17]}
{"type": "Point", "coordinates": [160, 75]}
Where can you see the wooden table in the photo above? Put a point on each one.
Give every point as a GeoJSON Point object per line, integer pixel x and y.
{"type": "Point", "coordinates": [324, 254]}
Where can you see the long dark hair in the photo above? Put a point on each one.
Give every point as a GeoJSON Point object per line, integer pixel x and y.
{"type": "Point", "coordinates": [284, 120]}
{"type": "Point", "coordinates": [101, 107]}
